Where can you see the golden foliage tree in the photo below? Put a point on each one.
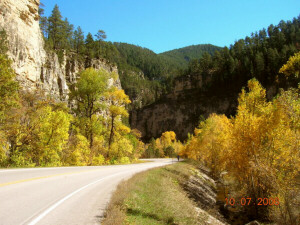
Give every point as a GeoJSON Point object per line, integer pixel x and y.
{"type": "Point", "coordinates": [118, 99]}
{"type": "Point", "coordinates": [259, 148]}
{"type": "Point", "coordinates": [210, 143]}
{"type": "Point", "coordinates": [37, 131]}
{"type": "Point", "coordinates": [292, 67]}
{"type": "Point", "coordinates": [167, 144]}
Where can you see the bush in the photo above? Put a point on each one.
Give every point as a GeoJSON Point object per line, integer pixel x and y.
{"type": "Point", "coordinates": [124, 160]}
{"type": "Point", "coordinates": [98, 160]}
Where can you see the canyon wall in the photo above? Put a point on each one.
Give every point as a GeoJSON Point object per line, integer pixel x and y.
{"type": "Point", "coordinates": [182, 109]}
{"type": "Point", "coordinates": [193, 99]}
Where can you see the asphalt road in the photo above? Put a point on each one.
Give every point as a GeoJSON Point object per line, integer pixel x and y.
{"type": "Point", "coordinates": [62, 195]}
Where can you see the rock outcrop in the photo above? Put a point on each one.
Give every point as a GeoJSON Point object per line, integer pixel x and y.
{"type": "Point", "coordinates": [182, 109]}
{"type": "Point", "coordinates": [20, 20]}
{"type": "Point", "coordinates": [193, 99]}
{"type": "Point", "coordinates": [34, 67]}
{"type": "Point", "coordinates": [202, 189]}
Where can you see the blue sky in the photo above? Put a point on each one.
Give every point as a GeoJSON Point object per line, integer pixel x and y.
{"type": "Point", "coordinates": [163, 25]}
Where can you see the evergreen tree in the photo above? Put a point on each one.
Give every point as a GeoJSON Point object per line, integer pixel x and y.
{"type": "Point", "coordinates": [57, 29]}
{"type": "Point", "coordinates": [68, 34]}
{"type": "Point", "coordinates": [101, 36]}
{"type": "Point", "coordinates": [43, 21]}
{"type": "Point", "coordinates": [89, 45]}
{"type": "Point", "coordinates": [78, 40]}
{"type": "Point", "coordinates": [260, 56]}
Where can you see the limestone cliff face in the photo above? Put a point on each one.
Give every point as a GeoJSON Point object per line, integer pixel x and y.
{"type": "Point", "coordinates": [55, 77]}
{"type": "Point", "coordinates": [35, 68]}
{"type": "Point", "coordinates": [181, 110]}
{"type": "Point", "coordinates": [20, 20]}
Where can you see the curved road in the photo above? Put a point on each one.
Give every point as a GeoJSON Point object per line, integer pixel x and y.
{"type": "Point", "coordinates": [62, 195]}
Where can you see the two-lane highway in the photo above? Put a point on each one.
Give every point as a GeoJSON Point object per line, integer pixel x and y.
{"type": "Point", "coordinates": [62, 195]}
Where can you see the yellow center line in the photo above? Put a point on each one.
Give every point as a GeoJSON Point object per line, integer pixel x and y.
{"type": "Point", "coordinates": [43, 177]}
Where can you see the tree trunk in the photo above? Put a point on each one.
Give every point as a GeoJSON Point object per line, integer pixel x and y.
{"type": "Point", "coordinates": [91, 148]}
{"type": "Point", "coordinates": [111, 135]}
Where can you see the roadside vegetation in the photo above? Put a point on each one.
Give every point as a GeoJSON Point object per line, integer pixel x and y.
{"type": "Point", "coordinates": [253, 157]}
{"type": "Point", "coordinates": [256, 153]}
{"type": "Point", "coordinates": [166, 146]}
{"type": "Point", "coordinates": [155, 197]}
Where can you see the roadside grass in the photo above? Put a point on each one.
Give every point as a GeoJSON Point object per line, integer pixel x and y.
{"type": "Point", "coordinates": [154, 197]}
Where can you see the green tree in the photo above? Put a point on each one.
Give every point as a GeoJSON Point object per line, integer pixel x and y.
{"type": "Point", "coordinates": [43, 21]}
{"type": "Point", "coordinates": [100, 45]}
{"type": "Point", "coordinates": [101, 36]}
{"type": "Point", "coordinates": [8, 86]}
{"type": "Point", "coordinates": [67, 34]}
{"type": "Point", "coordinates": [89, 45]}
{"type": "Point", "coordinates": [8, 96]}
{"type": "Point", "coordinates": [88, 92]}
{"type": "Point", "coordinates": [78, 40]}
{"type": "Point", "coordinates": [56, 29]}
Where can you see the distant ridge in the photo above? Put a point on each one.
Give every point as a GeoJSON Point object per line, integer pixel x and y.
{"type": "Point", "coordinates": [182, 56]}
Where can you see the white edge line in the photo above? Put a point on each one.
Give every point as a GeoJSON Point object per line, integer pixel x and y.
{"type": "Point", "coordinates": [47, 211]}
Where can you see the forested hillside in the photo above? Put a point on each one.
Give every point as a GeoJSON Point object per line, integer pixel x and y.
{"type": "Point", "coordinates": [183, 56]}
{"type": "Point", "coordinates": [145, 76]}
{"type": "Point", "coordinates": [261, 55]}
{"type": "Point", "coordinates": [211, 84]}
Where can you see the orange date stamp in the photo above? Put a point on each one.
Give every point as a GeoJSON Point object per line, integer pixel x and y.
{"type": "Point", "coordinates": [251, 201]}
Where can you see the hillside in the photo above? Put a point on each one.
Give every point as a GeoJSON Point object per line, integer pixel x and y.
{"type": "Point", "coordinates": [183, 56]}
{"type": "Point", "coordinates": [211, 84]}
{"type": "Point", "coordinates": [146, 76]}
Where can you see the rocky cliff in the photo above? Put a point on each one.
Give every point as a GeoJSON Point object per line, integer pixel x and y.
{"type": "Point", "coordinates": [182, 109]}
{"type": "Point", "coordinates": [20, 20]}
{"type": "Point", "coordinates": [34, 67]}
{"type": "Point", "coordinates": [193, 99]}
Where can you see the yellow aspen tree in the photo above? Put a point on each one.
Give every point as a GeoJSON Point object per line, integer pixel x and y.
{"type": "Point", "coordinates": [76, 152]}
{"type": "Point", "coordinates": [292, 67]}
{"type": "Point", "coordinates": [213, 138]}
{"type": "Point", "coordinates": [286, 156]}
{"type": "Point", "coordinates": [159, 146]}
{"type": "Point", "coordinates": [165, 144]}
{"type": "Point", "coordinates": [118, 99]}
